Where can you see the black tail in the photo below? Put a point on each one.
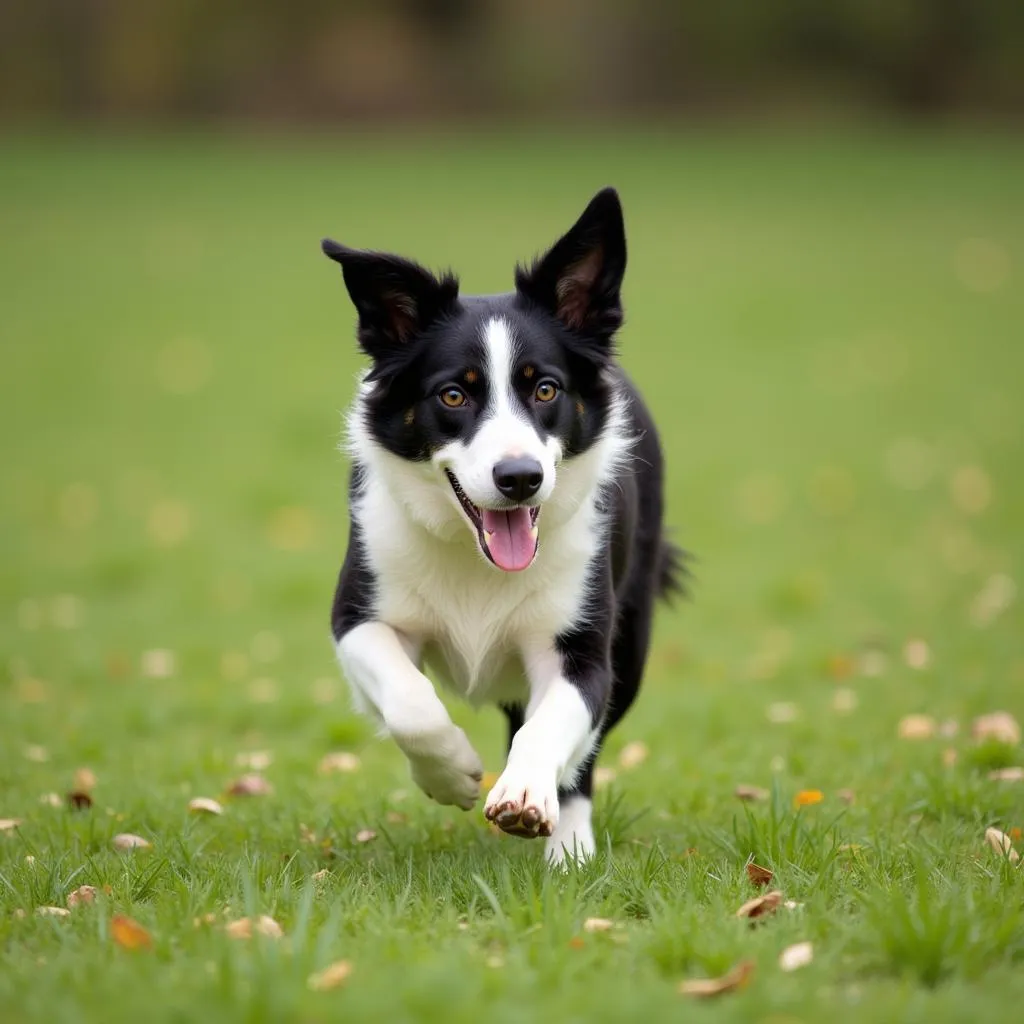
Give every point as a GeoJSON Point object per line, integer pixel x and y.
{"type": "Point", "coordinates": [673, 571]}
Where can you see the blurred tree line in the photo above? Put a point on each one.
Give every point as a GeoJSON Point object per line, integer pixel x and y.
{"type": "Point", "coordinates": [310, 60]}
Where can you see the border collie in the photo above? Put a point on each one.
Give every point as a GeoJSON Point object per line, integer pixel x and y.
{"type": "Point", "coordinates": [506, 523]}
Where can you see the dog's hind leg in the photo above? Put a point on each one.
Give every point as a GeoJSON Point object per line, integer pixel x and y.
{"type": "Point", "coordinates": [573, 838]}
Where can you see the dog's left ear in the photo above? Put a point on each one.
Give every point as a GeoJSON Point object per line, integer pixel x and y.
{"type": "Point", "coordinates": [396, 299]}
{"type": "Point", "coordinates": [579, 279]}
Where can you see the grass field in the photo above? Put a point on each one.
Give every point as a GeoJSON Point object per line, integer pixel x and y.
{"type": "Point", "coordinates": [830, 333]}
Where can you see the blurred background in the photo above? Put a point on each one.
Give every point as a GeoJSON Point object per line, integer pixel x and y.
{"type": "Point", "coordinates": [825, 213]}
{"type": "Point", "coordinates": [364, 60]}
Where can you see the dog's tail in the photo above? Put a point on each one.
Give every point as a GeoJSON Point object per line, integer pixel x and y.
{"type": "Point", "coordinates": [673, 571]}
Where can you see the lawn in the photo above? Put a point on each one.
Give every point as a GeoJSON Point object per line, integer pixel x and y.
{"type": "Point", "coordinates": [829, 330]}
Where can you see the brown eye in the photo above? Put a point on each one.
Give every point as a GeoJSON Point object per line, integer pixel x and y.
{"type": "Point", "coordinates": [453, 397]}
{"type": "Point", "coordinates": [546, 391]}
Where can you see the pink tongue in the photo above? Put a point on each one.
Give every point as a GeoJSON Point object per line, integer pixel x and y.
{"type": "Point", "coordinates": [509, 537]}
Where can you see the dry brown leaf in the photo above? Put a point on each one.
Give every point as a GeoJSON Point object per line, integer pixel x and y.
{"type": "Point", "coordinates": [246, 927]}
{"type": "Point", "coordinates": [252, 784]}
{"type": "Point", "coordinates": [847, 796]}
{"type": "Point", "coordinates": [1007, 775]}
{"type": "Point", "coordinates": [633, 754]}
{"type": "Point", "coordinates": [157, 664]}
{"type": "Point", "coordinates": [761, 906]}
{"type": "Point", "coordinates": [339, 761]}
{"type": "Point", "coordinates": [204, 805]}
{"type": "Point", "coordinates": [330, 977]}
{"type": "Point", "coordinates": [1002, 844]}
{"type": "Point", "coordinates": [129, 841]}
{"type": "Point", "coordinates": [82, 895]}
{"type": "Point", "coordinates": [53, 912]}
{"type": "Point", "coordinates": [759, 875]}
{"type": "Point", "coordinates": [598, 924]}
{"type": "Point", "coordinates": [9, 824]}
{"type": "Point", "coordinates": [917, 727]}
{"type": "Point", "coordinates": [917, 654]}
{"type": "Point", "coordinates": [999, 726]}
{"type": "Point", "coordinates": [577, 942]}
{"type": "Point", "coordinates": [79, 800]}
{"type": "Point", "coordinates": [365, 835]}
{"type": "Point", "coordinates": [751, 793]}
{"type": "Point", "coordinates": [705, 988]}
{"type": "Point", "coordinates": [51, 800]}
{"type": "Point", "coordinates": [85, 779]}
{"type": "Point", "coordinates": [604, 776]}
{"type": "Point", "coordinates": [796, 956]}
{"type": "Point", "coordinates": [129, 934]}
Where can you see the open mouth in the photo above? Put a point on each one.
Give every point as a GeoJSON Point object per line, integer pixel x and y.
{"type": "Point", "coordinates": [507, 536]}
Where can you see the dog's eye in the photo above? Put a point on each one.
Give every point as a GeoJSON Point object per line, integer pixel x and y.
{"type": "Point", "coordinates": [453, 397]}
{"type": "Point", "coordinates": [546, 391]}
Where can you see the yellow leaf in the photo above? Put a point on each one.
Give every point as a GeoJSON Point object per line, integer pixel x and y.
{"type": "Point", "coordinates": [246, 927]}
{"type": "Point", "coordinates": [758, 875]}
{"type": "Point", "coordinates": [917, 727]}
{"type": "Point", "coordinates": [128, 841]}
{"type": "Point", "coordinates": [705, 988]}
{"type": "Point", "coordinates": [489, 780]}
{"type": "Point", "coordinates": [330, 977]}
{"type": "Point", "coordinates": [999, 726]}
{"type": "Point", "coordinates": [339, 761]}
{"type": "Point", "coordinates": [129, 934]}
{"type": "Point", "coordinates": [204, 805]}
{"type": "Point", "coordinates": [1002, 844]}
{"type": "Point", "coordinates": [806, 797]}
{"type": "Point", "coordinates": [633, 754]}
{"type": "Point", "coordinates": [365, 835]}
{"type": "Point", "coordinates": [9, 824]}
{"type": "Point", "coordinates": [83, 894]}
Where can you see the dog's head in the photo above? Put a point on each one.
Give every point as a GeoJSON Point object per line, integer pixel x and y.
{"type": "Point", "coordinates": [491, 398]}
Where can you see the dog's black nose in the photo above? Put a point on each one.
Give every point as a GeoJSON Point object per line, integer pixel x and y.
{"type": "Point", "coordinates": [518, 479]}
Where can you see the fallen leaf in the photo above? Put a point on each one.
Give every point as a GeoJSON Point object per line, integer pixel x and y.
{"type": "Point", "coordinates": [604, 775]}
{"type": "Point", "coordinates": [782, 712]}
{"type": "Point", "coordinates": [1015, 774]}
{"type": "Point", "coordinates": [598, 924]}
{"type": "Point", "coordinates": [846, 795]}
{"type": "Point", "coordinates": [53, 912]}
{"type": "Point", "coordinates": [246, 927]}
{"type": "Point", "coordinates": [758, 875]}
{"type": "Point", "coordinates": [761, 906]}
{"type": "Point", "coordinates": [1002, 844]}
{"type": "Point", "coordinates": [36, 753]}
{"type": "Point", "coordinates": [751, 793]}
{"type": "Point", "coordinates": [705, 988]}
{"type": "Point", "coordinates": [128, 841]}
{"type": "Point", "coordinates": [916, 727]}
{"type": "Point", "coordinates": [129, 934]}
{"type": "Point", "coordinates": [204, 805]}
{"type": "Point", "coordinates": [1015, 833]}
{"type": "Point", "coordinates": [844, 700]}
{"type": "Point", "coordinates": [204, 920]}
{"type": "Point", "coordinates": [85, 780]}
{"type": "Point", "coordinates": [252, 784]}
{"type": "Point", "coordinates": [157, 664]}
{"type": "Point", "coordinates": [330, 977]}
{"type": "Point", "coordinates": [254, 760]}
{"type": "Point", "coordinates": [487, 782]}
{"type": "Point", "coordinates": [83, 894]}
{"type": "Point", "coordinates": [633, 754]}
{"type": "Point", "coordinates": [577, 942]}
{"type": "Point", "coordinates": [807, 797]}
{"type": "Point", "coordinates": [365, 835]}
{"type": "Point", "coordinates": [917, 654]}
{"type": "Point", "coordinates": [79, 800]}
{"type": "Point", "coordinates": [9, 824]}
{"type": "Point", "coordinates": [794, 957]}
{"type": "Point", "coordinates": [339, 761]}
{"type": "Point", "coordinates": [322, 875]}
{"type": "Point", "coordinates": [51, 800]}
{"type": "Point", "coordinates": [999, 726]}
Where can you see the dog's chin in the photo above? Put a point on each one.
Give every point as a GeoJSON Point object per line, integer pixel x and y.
{"type": "Point", "coordinates": [508, 537]}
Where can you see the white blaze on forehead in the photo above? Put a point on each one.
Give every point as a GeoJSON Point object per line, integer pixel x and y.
{"type": "Point", "coordinates": [500, 355]}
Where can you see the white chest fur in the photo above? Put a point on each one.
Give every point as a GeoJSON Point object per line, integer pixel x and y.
{"type": "Point", "coordinates": [471, 620]}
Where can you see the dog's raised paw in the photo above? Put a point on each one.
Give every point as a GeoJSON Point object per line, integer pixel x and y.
{"type": "Point", "coordinates": [523, 808]}
{"type": "Point", "coordinates": [446, 767]}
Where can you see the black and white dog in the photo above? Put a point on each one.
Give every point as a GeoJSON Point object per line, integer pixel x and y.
{"type": "Point", "coordinates": [506, 523]}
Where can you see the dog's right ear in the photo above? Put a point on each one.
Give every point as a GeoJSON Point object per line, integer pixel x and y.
{"type": "Point", "coordinates": [395, 298]}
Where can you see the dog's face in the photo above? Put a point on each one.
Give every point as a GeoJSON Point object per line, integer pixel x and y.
{"type": "Point", "coordinates": [488, 397]}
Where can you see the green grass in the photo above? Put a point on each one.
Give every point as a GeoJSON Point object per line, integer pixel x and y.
{"type": "Point", "coordinates": [837, 370]}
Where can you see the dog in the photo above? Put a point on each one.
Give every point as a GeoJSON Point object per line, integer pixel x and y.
{"type": "Point", "coordinates": [506, 532]}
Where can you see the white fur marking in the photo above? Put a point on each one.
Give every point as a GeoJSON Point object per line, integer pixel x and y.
{"type": "Point", "coordinates": [573, 839]}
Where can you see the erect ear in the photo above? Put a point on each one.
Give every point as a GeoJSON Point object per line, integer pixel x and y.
{"type": "Point", "coordinates": [396, 299]}
{"type": "Point", "coordinates": [580, 277]}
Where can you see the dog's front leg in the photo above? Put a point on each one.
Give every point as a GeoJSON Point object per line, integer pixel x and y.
{"type": "Point", "coordinates": [378, 664]}
{"type": "Point", "coordinates": [560, 728]}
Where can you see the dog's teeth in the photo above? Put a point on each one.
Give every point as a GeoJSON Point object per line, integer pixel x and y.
{"type": "Point", "coordinates": [533, 533]}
